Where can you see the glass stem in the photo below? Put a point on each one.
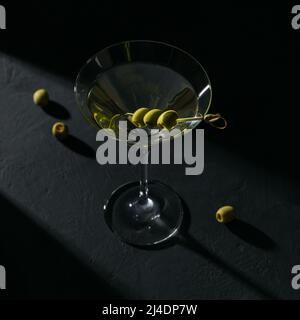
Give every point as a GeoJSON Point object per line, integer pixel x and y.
{"type": "Point", "coordinates": [144, 174]}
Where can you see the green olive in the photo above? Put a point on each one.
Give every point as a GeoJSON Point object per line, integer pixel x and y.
{"type": "Point", "coordinates": [60, 130]}
{"type": "Point", "coordinates": [113, 121]}
{"type": "Point", "coordinates": [225, 214]}
{"type": "Point", "coordinates": [41, 97]}
{"type": "Point", "coordinates": [150, 118]}
{"type": "Point", "coordinates": [168, 119]}
{"type": "Point", "coordinates": [137, 117]}
{"type": "Point", "coordinates": [101, 120]}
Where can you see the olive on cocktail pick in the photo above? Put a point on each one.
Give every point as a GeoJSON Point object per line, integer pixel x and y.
{"type": "Point", "coordinates": [167, 119]}
{"type": "Point", "coordinates": [137, 118]}
{"type": "Point", "coordinates": [151, 117]}
{"type": "Point", "coordinates": [101, 120]}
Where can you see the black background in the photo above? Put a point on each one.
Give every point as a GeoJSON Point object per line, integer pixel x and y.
{"type": "Point", "coordinates": [250, 46]}
{"type": "Point", "coordinates": [251, 54]}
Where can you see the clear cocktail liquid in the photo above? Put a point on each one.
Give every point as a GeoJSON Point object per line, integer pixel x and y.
{"type": "Point", "coordinates": [125, 88]}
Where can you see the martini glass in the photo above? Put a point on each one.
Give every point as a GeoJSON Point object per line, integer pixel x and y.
{"type": "Point", "coordinates": [117, 81]}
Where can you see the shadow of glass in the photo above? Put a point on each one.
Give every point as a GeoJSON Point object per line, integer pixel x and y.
{"type": "Point", "coordinates": [192, 244]}
{"type": "Point", "coordinates": [56, 110]}
{"type": "Point", "coordinates": [79, 146]}
{"type": "Point", "coordinates": [251, 235]}
{"type": "Point", "coordinates": [38, 266]}
{"type": "Point", "coordinates": [189, 242]}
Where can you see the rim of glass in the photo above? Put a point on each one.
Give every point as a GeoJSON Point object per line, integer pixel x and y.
{"type": "Point", "coordinates": [146, 41]}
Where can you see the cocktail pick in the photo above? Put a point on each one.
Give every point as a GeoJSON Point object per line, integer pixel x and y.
{"type": "Point", "coordinates": [168, 119]}
{"type": "Point", "coordinates": [210, 118]}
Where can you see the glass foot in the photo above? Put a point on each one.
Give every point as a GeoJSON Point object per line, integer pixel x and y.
{"type": "Point", "coordinates": [141, 220]}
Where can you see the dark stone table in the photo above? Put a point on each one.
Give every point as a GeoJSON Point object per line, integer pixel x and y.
{"type": "Point", "coordinates": [53, 238]}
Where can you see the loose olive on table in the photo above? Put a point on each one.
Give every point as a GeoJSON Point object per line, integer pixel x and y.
{"type": "Point", "coordinates": [225, 214]}
{"type": "Point", "coordinates": [60, 130]}
{"type": "Point", "coordinates": [41, 97]}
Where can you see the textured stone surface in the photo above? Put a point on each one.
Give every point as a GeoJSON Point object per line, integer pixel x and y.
{"type": "Point", "coordinates": [53, 238]}
{"type": "Point", "coordinates": [55, 242]}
